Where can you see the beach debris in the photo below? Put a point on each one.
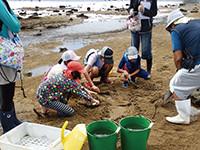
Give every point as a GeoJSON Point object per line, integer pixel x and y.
{"type": "Point", "coordinates": [62, 49]}
{"type": "Point", "coordinates": [28, 74]}
{"type": "Point", "coordinates": [56, 10]}
{"type": "Point", "coordinates": [62, 7]}
{"type": "Point", "coordinates": [183, 10]}
{"type": "Point", "coordinates": [37, 8]}
{"type": "Point", "coordinates": [88, 9]}
{"type": "Point", "coordinates": [82, 16]}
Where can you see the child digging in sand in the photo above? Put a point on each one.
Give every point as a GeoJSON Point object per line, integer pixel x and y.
{"type": "Point", "coordinates": [53, 92]}
{"type": "Point", "coordinates": [130, 67]}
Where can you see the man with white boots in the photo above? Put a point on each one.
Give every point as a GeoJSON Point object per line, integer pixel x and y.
{"type": "Point", "coordinates": [185, 35]}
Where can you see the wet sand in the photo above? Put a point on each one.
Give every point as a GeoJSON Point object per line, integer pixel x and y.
{"type": "Point", "coordinates": [117, 102]}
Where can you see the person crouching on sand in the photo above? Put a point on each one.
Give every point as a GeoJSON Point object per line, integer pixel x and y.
{"type": "Point", "coordinates": [51, 93]}
{"type": "Point", "coordinates": [185, 35]}
{"type": "Point", "coordinates": [130, 67]}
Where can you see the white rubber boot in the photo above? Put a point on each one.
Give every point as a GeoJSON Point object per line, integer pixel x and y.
{"type": "Point", "coordinates": [183, 108]}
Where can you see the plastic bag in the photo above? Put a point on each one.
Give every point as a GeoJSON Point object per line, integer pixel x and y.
{"type": "Point", "coordinates": [134, 23]}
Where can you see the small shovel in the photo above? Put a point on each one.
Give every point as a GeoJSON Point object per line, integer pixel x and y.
{"type": "Point", "coordinates": [167, 96]}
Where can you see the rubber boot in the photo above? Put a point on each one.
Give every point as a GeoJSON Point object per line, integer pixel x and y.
{"type": "Point", "coordinates": [149, 66]}
{"type": "Point", "coordinates": [184, 111]}
{"type": "Point", "coordinates": [16, 121]}
{"type": "Point", "coordinates": [7, 121]}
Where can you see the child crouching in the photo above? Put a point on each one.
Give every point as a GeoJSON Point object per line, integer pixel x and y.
{"type": "Point", "coordinates": [130, 67]}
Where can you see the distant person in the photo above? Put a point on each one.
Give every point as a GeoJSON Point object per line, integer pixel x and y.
{"type": "Point", "coordinates": [185, 35]}
{"type": "Point", "coordinates": [9, 24]}
{"type": "Point", "coordinates": [130, 67]}
{"type": "Point", "coordinates": [62, 65]}
{"type": "Point", "coordinates": [99, 63]}
{"type": "Point", "coordinates": [146, 10]}
{"type": "Point", "coordinates": [55, 92]}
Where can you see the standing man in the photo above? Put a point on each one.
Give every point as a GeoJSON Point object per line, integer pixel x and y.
{"type": "Point", "coordinates": [146, 10]}
{"type": "Point", "coordinates": [185, 35]}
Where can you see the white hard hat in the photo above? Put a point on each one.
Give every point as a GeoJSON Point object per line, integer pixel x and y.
{"type": "Point", "coordinates": [173, 16]}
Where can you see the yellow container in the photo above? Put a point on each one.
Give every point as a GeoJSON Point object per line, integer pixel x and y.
{"type": "Point", "coordinates": [75, 139]}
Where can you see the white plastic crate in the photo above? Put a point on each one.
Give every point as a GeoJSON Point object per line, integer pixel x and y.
{"type": "Point", "coordinates": [32, 136]}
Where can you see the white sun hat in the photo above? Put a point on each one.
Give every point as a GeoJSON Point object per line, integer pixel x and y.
{"type": "Point", "coordinates": [173, 16]}
{"type": "Point", "coordinates": [69, 55]}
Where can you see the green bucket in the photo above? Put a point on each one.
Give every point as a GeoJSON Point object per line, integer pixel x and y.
{"type": "Point", "coordinates": [102, 133]}
{"type": "Point", "coordinates": [135, 132]}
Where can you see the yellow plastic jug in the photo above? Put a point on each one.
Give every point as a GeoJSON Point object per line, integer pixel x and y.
{"type": "Point", "coordinates": [75, 139]}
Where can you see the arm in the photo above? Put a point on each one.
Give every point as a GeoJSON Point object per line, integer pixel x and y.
{"type": "Point", "coordinates": [137, 67]}
{"type": "Point", "coordinates": [87, 77]}
{"type": "Point", "coordinates": [9, 20]}
{"type": "Point", "coordinates": [178, 55]}
{"type": "Point", "coordinates": [91, 61]}
{"type": "Point", "coordinates": [177, 49]}
{"type": "Point", "coordinates": [120, 66]}
{"type": "Point", "coordinates": [78, 90]}
{"type": "Point", "coordinates": [152, 11]}
{"type": "Point", "coordinates": [133, 6]}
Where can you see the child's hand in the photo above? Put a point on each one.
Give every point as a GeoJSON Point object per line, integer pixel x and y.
{"type": "Point", "coordinates": [125, 75]}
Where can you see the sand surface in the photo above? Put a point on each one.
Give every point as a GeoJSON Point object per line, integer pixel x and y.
{"type": "Point", "coordinates": [117, 102]}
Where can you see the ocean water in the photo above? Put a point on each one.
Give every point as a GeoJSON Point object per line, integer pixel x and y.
{"type": "Point", "coordinates": [95, 4]}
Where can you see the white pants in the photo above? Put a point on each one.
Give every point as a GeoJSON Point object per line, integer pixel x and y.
{"type": "Point", "coordinates": [184, 83]}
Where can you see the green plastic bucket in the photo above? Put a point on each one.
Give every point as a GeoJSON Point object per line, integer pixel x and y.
{"type": "Point", "coordinates": [135, 132]}
{"type": "Point", "coordinates": [102, 134]}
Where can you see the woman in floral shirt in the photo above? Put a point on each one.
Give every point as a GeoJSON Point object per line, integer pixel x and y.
{"type": "Point", "coordinates": [53, 91]}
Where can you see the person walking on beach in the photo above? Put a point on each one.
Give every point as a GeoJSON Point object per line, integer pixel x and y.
{"type": "Point", "coordinates": [130, 67]}
{"type": "Point", "coordinates": [9, 24]}
{"type": "Point", "coordinates": [62, 65]}
{"type": "Point", "coordinates": [146, 10]}
{"type": "Point", "coordinates": [99, 63]}
{"type": "Point", "coordinates": [53, 92]}
{"type": "Point", "coordinates": [185, 35]}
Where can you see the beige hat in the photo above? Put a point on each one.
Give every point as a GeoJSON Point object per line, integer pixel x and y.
{"type": "Point", "coordinates": [173, 16]}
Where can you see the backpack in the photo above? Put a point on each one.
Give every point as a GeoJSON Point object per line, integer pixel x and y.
{"type": "Point", "coordinates": [88, 54]}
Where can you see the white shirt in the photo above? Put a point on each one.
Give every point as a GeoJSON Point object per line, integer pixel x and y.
{"type": "Point", "coordinates": [56, 69]}
{"type": "Point", "coordinates": [146, 5]}
{"type": "Point", "coordinates": [94, 60]}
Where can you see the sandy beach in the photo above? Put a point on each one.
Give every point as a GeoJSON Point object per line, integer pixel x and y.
{"type": "Point", "coordinates": [116, 102]}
